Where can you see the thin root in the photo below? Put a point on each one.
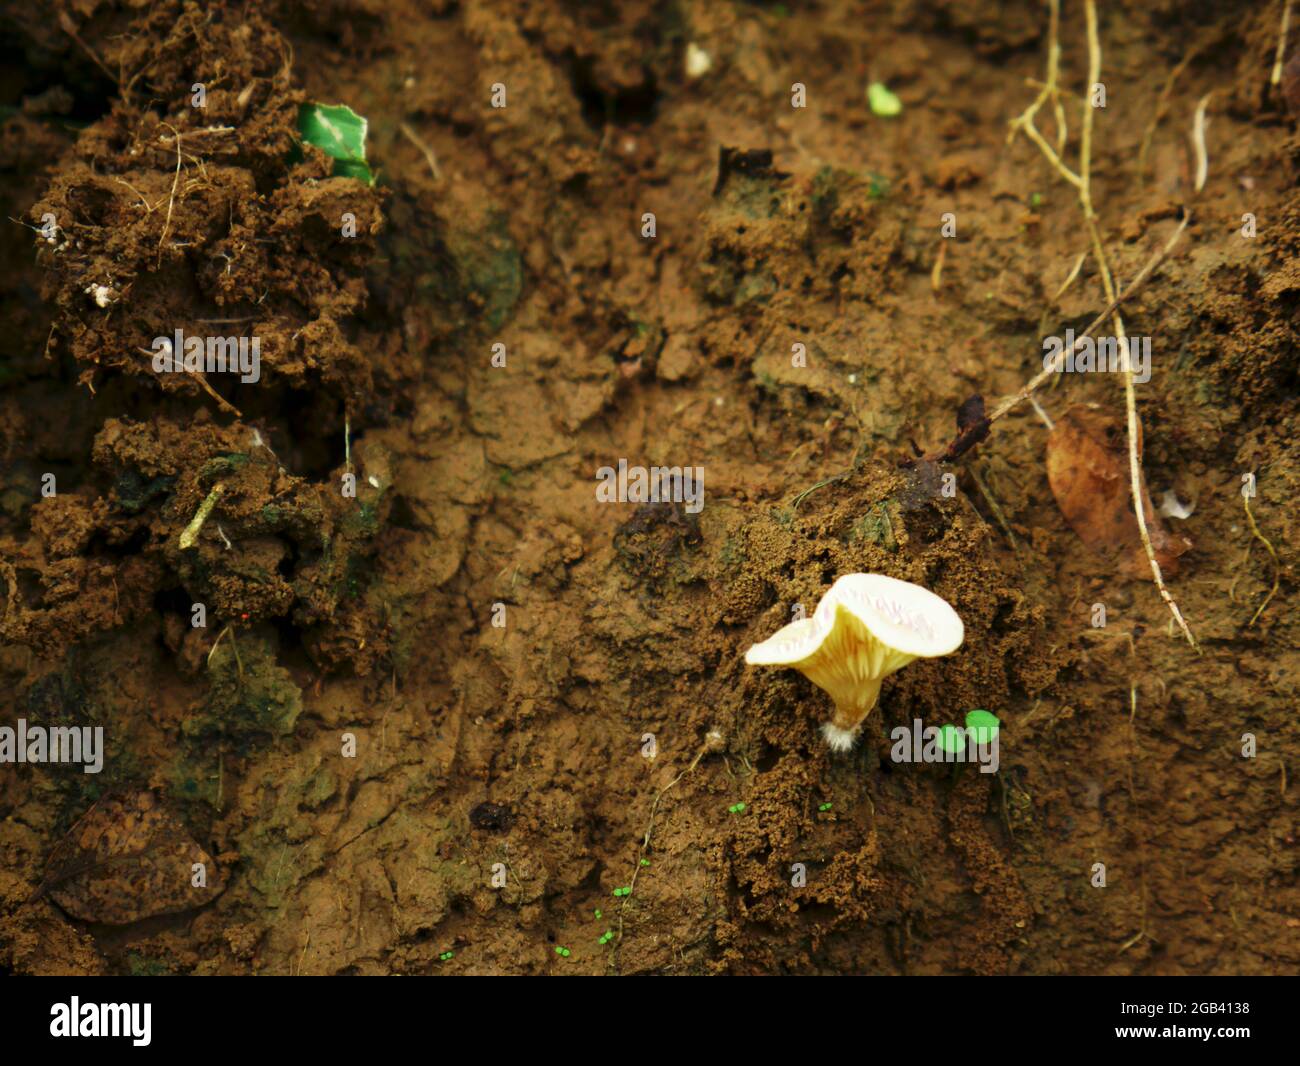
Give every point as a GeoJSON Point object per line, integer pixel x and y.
{"type": "Point", "coordinates": [649, 829]}
{"type": "Point", "coordinates": [1083, 181]}
{"type": "Point", "coordinates": [1277, 565]}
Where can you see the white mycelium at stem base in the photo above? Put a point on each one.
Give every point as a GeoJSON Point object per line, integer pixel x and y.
{"type": "Point", "coordinates": [864, 629]}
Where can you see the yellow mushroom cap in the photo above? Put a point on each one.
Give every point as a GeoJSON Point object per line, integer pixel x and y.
{"type": "Point", "coordinates": [865, 628]}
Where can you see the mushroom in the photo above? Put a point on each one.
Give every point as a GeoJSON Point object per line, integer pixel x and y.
{"type": "Point", "coordinates": [865, 628]}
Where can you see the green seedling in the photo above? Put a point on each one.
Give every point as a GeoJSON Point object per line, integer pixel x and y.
{"type": "Point", "coordinates": [609, 935]}
{"type": "Point", "coordinates": [340, 133]}
{"type": "Point", "coordinates": [736, 808]}
{"type": "Point", "coordinates": [645, 862]}
{"type": "Point", "coordinates": [952, 740]}
{"type": "Point", "coordinates": [598, 914]}
{"type": "Point", "coordinates": [619, 893]}
{"type": "Point", "coordinates": [446, 956]}
{"type": "Point", "coordinates": [825, 807]}
{"type": "Point", "coordinates": [882, 101]}
{"type": "Point", "coordinates": [983, 726]}
{"type": "Point", "coordinates": [564, 953]}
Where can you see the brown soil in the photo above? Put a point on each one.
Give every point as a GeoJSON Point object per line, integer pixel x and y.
{"type": "Point", "coordinates": [373, 619]}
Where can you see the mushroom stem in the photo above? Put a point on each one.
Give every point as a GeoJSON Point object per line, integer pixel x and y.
{"type": "Point", "coordinates": [851, 713]}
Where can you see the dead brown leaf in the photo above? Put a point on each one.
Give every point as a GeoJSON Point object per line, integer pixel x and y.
{"type": "Point", "coordinates": [1088, 469]}
{"type": "Point", "coordinates": [129, 858]}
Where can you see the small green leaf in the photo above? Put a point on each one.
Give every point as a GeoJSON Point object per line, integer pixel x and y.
{"type": "Point", "coordinates": [340, 133]}
{"type": "Point", "coordinates": [882, 101]}
{"type": "Point", "coordinates": [952, 739]}
{"type": "Point", "coordinates": [983, 726]}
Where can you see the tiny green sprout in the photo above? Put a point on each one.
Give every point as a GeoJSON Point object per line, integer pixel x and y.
{"type": "Point", "coordinates": [1035, 199]}
{"type": "Point", "coordinates": [446, 956]}
{"type": "Point", "coordinates": [736, 808]}
{"type": "Point", "coordinates": [645, 862]}
{"type": "Point", "coordinates": [564, 953]}
{"type": "Point", "coordinates": [952, 740]}
{"type": "Point", "coordinates": [626, 890]}
{"type": "Point", "coordinates": [598, 914]}
{"type": "Point", "coordinates": [825, 807]}
{"type": "Point", "coordinates": [882, 101]}
{"type": "Point", "coordinates": [983, 726]}
{"type": "Point", "coordinates": [340, 133]}
{"type": "Point", "coordinates": [609, 935]}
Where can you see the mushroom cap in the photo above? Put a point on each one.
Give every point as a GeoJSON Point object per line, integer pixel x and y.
{"type": "Point", "coordinates": [903, 621]}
